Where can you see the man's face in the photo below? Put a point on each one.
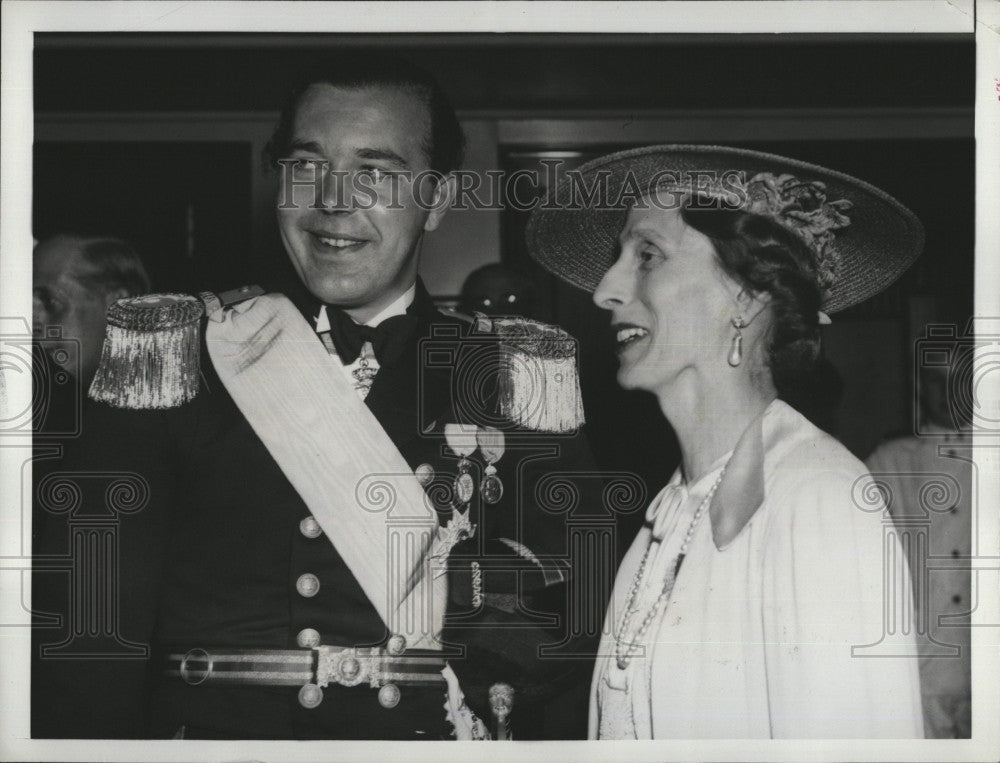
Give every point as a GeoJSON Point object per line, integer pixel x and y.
{"type": "Point", "coordinates": [361, 259]}
{"type": "Point", "coordinates": [62, 299]}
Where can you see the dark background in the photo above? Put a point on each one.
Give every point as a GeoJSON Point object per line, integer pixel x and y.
{"type": "Point", "coordinates": [488, 76]}
{"type": "Point", "coordinates": [517, 72]}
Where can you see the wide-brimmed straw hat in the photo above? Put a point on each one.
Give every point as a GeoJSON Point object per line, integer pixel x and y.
{"type": "Point", "coordinates": [862, 238]}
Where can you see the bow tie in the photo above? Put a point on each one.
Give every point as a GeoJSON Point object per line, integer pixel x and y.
{"type": "Point", "coordinates": [388, 339]}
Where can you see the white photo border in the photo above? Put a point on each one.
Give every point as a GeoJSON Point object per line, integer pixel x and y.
{"type": "Point", "coordinates": [21, 19]}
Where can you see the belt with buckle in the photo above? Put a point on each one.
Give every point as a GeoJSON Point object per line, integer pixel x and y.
{"type": "Point", "coordinates": [311, 669]}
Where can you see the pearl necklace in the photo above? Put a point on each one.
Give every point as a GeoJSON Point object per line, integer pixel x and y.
{"type": "Point", "coordinates": [623, 651]}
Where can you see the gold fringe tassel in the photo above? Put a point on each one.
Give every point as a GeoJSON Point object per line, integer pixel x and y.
{"type": "Point", "coordinates": [539, 385]}
{"type": "Point", "coordinates": [150, 358]}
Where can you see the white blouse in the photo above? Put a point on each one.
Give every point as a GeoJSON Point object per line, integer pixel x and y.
{"type": "Point", "coordinates": [756, 638]}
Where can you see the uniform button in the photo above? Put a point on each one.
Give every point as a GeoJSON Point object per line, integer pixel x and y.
{"type": "Point", "coordinates": [310, 696]}
{"type": "Point", "coordinates": [307, 638]}
{"type": "Point", "coordinates": [307, 585]}
{"type": "Point", "coordinates": [425, 473]}
{"type": "Point", "coordinates": [396, 644]}
{"type": "Point", "coordinates": [310, 527]}
{"type": "Point", "coordinates": [388, 696]}
{"type": "Point", "coordinates": [957, 599]}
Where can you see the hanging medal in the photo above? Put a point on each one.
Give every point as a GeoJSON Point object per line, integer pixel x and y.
{"type": "Point", "coordinates": [491, 443]}
{"type": "Point", "coordinates": [364, 374]}
{"type": "Point", "coordinates": [461, 438]}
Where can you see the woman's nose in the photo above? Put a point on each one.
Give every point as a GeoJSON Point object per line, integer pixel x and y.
{"type": "Point", "coordinates": [612, 291]}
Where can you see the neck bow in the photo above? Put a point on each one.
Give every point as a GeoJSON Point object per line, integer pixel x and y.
{"type": "Point", "coordinates": [388, 338]}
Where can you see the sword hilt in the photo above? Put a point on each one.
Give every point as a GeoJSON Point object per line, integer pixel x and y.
{"type": "Point", "coordinates": [501, 703]}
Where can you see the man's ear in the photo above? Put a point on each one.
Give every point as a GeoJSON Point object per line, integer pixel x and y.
{"type": "Point", "coordinates": [444, 197]}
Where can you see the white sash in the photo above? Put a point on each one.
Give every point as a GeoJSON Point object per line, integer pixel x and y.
{"type": "Point", "coordinates": [337, 457]}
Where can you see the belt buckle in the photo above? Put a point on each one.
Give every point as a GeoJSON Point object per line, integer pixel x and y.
{"type": "Point", "coordinates": [346, 667]}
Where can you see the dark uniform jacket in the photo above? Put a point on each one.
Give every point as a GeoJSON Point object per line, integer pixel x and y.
{"type": "Point", "coordinates": [203, 541]}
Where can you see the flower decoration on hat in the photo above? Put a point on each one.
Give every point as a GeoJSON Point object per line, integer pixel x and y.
{"type": "Point", "coordinates": [801, 207]}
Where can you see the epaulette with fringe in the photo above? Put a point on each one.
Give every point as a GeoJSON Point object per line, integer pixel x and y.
{"type": "Point", "coordinates": [152, 348]}
{"type": "Point", "coordinates": [539, 380]}
{"type": "Point", "coordinates": [151, 359]}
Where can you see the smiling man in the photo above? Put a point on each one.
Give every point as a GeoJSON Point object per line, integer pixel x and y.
{"type": "Point", "coordinates": [256, 572]}
{"type": "Point", "coordinates": [357, 150]}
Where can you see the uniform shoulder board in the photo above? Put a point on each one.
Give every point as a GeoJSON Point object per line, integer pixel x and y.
{"type": "Point", "coordinates": [223, 299]}
{"type": "Point", "coordinates": [150, 357]}
{"type": "Point", "coordinates": [479, 323]}
{"type": "Point", "coordinates": [449, 312]}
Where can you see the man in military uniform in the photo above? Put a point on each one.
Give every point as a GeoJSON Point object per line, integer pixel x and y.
{"type": "Point", "coordinates": [235, 560]}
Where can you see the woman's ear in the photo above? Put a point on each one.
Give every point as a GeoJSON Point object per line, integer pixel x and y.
{"type": "Point", "coordinates": [751, 304]}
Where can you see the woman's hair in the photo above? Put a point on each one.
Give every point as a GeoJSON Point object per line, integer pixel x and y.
{"type": "Point", "coordinates": [762, 256]}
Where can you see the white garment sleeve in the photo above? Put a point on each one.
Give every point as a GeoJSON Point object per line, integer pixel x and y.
{"type": "Point", "coordinates": [888, 460]}
{"type": "Point", "coordinates": [822, 595]}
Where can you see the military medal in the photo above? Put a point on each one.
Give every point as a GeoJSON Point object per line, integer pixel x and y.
{"type": "Point", "coordinates": [491, 487]}
{"type": "Point", "coordinates": [458, 529]}
{"type": "Point", "coordinates": [491, 443]}
{"type": "Point", "coordinates": [364, 374]}
{"type": "Point", "coordinates": [464, 486]}
{"type": "Point", "coordinates": [461, 438]}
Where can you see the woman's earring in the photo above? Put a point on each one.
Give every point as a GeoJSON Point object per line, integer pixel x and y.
{"type": "Point", "coordinates": [736, 351]}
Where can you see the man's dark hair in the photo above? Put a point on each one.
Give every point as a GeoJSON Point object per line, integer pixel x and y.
{"type": "Point", "coordinates": [112, 264]}
{"type": "Point", "coordinates": [444, 147]}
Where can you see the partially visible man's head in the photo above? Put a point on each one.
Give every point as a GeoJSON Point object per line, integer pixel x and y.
{"type": "Point", "coordinates": [443, 143]}
{"type": "Point", "coordinates": [939, 405]}
{"type": "Point", "coordinates": [76, 278]}
{"type": "Point", "coordinates": [363, 151]}
{"type": "Point", "coordinates": [496, 290]}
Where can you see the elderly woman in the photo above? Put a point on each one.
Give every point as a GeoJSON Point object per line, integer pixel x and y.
{"type": "Point", "coordinates": [749, 603]}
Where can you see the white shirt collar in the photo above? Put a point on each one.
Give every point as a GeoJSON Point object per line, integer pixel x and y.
{"type": "Point", "coordinates": [396, 308]}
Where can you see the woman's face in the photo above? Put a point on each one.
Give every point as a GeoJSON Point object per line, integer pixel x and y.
{"type": "Point", "coordinates": [670, 301]}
